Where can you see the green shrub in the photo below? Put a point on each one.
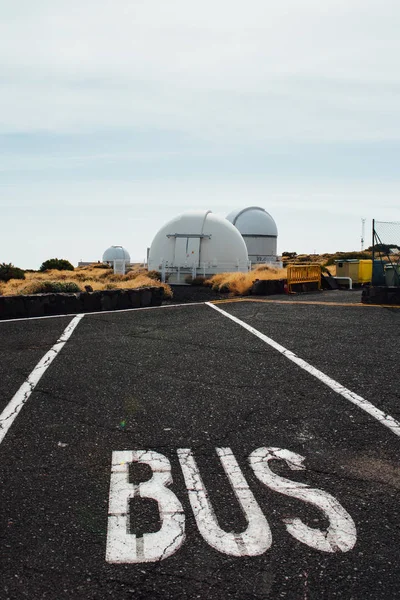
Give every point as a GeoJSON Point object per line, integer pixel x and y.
{"type": "Point", "coordinates": [52, 287]}
{"type": "Point", "coordinates": [60, 264]}
{"type": "Point", "coordinates": [8, 272]}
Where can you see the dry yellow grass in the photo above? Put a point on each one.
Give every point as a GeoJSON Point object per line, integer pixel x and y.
{"type": "Point", "coordinates": [332, 270]}
{"type": "Point", "coordinates": [100, 278]}
{"type": "Point", "coordinates": [97, 278]}
{"type": "Point", "coordinates": [241, 283]}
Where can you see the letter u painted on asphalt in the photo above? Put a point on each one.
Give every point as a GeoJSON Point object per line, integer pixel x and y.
{"type": "Point", "coordinates": [257, 537]}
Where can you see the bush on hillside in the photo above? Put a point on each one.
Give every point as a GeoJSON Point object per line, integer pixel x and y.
{"type": "Point", "coordinates": [52, 287]}
{"type": "Point", "coordinates": [346, 256]}
{"type": "Point", "coordinates": [60, 264]}
{"type": "Point", "coordinates": [199, 280]}
{"type": "Point", "coordinates": [8, 271]}
{"type": "Point", "coordinates": [133, 275]}
{"type": "Point", "coordinates": [154, 275]}
{"type": "Point", "coordinates": [385, 248]}
{"type": "Point", "coordinates": [99, 265]}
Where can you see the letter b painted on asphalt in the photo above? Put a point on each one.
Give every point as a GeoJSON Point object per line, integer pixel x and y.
{"type": "Point", "coordinates": [126, 547]}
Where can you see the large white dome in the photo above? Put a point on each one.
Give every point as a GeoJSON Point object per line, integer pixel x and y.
{"type": "Point", "coordinates": [253, 221]}
{"type": "Point", "coordinates": [199, 240]}
{"type": "Point", "coordinates": [116, 253]}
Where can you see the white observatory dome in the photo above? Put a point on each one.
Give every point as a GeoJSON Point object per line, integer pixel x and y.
{"type": "Point", "coordinates": [253, 221]}
{"type": "Point", "coordinates": [116, 253]}
{"type": "Point", "coordinates": [259, 231]}
{"type": "Point", "coordinates": [198, 242]}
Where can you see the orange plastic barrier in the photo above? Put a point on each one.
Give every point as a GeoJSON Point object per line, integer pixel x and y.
{"type": "Point", "coordinates": [308, 273]}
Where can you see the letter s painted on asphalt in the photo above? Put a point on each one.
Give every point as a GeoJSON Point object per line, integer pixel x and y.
{"type": "Point", "coordinates": [341, 533]}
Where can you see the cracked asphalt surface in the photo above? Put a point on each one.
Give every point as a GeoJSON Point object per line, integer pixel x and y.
{"type": "Point", "coordinates": [22, 345]}
{"type": "Point", "coordinates": [187, 377]}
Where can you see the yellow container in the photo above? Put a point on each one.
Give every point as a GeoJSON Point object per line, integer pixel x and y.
{"type": "Point", "coordinates": [365, 271]}
{"type": "Point", "coordinates": [347, 268]}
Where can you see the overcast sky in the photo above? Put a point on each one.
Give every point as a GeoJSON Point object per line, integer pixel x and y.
{"type": "Point", "coordinates": [117, 115]}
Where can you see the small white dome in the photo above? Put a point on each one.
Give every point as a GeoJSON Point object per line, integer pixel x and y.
{"type": "Point", "coordinates": [116, 253]}
{"type": "Point", "coordinates": [253, 221]}
{"type": "Point", "coordinates": [199, 239]}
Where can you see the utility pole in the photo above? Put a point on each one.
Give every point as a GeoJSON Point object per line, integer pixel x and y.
{"type": "Point", "coordinates": [362, 233]}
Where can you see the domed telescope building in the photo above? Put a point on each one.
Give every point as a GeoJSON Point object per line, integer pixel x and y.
{"type": "Point", "coordinates": [259, 231]}
{"type": "Point", "coordinates": [118, 257]}
{"type": "Point", "coordinates": [197, 243]}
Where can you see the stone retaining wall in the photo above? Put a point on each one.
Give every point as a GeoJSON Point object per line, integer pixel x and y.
{"type": "Point", "coordinates": [39, 305]}
{"type": "Point", "coordinates": [379, 294]}
{"type": "Point", "coordinates": [267, 287]}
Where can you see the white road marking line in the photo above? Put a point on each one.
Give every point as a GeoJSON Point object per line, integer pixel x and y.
{"type": "Point", "coordinates": [337, 387]}
{"type": "Point", "coordinates": [13, 408]}
{"type": "Point", "coordinates": [103, 312]}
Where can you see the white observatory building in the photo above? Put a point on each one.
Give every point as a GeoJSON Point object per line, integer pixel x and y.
{"type": "Point", "coordinates": [197, 243]}
{"type": "Point", "coordinates": [118, 257]}
{"type": "Point", "coordinates": [259, 231]}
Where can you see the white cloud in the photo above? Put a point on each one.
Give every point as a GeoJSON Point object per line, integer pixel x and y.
{"type": "Point", "coordinates": [79, 220]}
{"type": "Point", "coordinates": [222, 70]}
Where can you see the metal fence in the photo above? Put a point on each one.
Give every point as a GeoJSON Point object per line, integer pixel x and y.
{"type": "Point", "coordinates": [181, 274]}
{"type": "Point", "coordinates": [386, 252]}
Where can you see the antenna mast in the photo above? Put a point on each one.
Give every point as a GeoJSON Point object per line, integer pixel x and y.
{"type": "Point", "coordinates": [362, 233]}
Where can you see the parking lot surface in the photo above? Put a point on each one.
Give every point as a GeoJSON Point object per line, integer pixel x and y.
{"type": "Point", "coordinates": [174, 453]}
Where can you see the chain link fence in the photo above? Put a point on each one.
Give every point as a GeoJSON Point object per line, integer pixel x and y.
{"type": "Point", "coordinates": [386, 253]}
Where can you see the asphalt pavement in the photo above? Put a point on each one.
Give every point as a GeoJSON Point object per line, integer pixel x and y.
{"type": "Point", "coordinates": [171, 453]}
